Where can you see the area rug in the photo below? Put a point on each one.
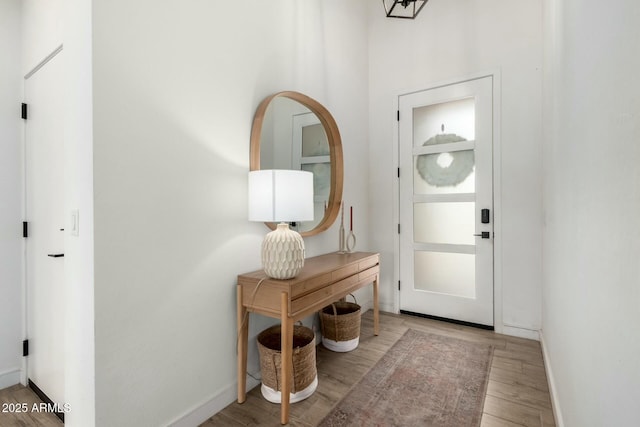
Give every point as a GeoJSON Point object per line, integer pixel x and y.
{"type": "Point", "coordinates": [423, 380]}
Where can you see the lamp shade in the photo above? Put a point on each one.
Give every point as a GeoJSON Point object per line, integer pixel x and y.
{"type": "Point", "coordinates": [278, 195]}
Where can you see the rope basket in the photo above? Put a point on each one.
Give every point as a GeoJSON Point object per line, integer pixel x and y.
{"type": "Point", "coordinates": [304, 357]}
{"type": "Point", "coordinates": [340, 324]}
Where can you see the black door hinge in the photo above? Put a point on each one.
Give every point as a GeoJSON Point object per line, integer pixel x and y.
{"type": "Point", "coordinates": [25, 348]}
{"type": "Point", "coordinates": [398, 172]}
{"type": "Point", "coordinates": [398, 115]}
{"type": "Point", "coordinates": [24, 111]}
{"type": "Point", "coordinates": [25, 229]}
{"type": "Point", "coordinates": [398, 228]}
{"type": "Point", "coordinates": [398, 284]}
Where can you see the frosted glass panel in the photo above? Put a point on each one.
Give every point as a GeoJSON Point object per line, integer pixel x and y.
{"type": "Point", "coordinates": [445, 123]}
{"type": "Point", "coordinates": [444, 173]}
{"type": "Point", "coordinates": [446, 273]}
{"type": "Point", "coordinates": [455, 117]}
{"type": "Point", "coordinates": [321, 179]}
{"type": "Point", "coordinates": [314, 141]}
{"type": "Point", "coordinates": [444, 223]}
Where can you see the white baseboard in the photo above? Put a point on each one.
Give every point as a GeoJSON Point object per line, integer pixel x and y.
{"type": "Point", "coordinates": [203, 412]}
{"type": "Point", "coordinates": [9, 378]}
{"type": "Point", "coordinates": [553, 391]}
{"type": "Point", "coordinates": [516, 331]}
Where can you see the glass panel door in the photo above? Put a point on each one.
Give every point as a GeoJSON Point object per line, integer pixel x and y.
{"type": "Point", "coordinates": [446, 144]}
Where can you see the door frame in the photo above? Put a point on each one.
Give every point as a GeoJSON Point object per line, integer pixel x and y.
{"type": "Point", "coordinates": [497, 188]}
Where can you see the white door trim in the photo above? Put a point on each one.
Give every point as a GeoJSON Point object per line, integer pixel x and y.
{"type": "Point", "coordinates": [497, 188]}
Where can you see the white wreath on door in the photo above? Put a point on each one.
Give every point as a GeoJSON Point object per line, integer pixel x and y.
{"type": "Point", "coordinates": [451, 175]}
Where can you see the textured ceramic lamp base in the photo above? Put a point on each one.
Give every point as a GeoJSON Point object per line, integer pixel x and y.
{"type": "Point", "coordinates": [282, 253]}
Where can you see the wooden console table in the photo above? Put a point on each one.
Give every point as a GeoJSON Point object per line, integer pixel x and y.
{"type": "Point", "coordinates": [323, 280]}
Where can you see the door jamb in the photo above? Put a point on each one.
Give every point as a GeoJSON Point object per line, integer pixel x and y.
{"type": "Point", "coordinates": [497, 189]}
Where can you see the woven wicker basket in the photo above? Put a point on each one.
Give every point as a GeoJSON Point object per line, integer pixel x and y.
{"type": "Point", "coordinates": [304, 357]}
{"type": "Point", "coordinates": [340, 322]}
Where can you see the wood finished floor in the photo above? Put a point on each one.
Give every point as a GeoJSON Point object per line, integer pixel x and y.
{"type": "Point", "coordinates": [21, 394]}
{"type": "Point", "coordinates": [517, 394]}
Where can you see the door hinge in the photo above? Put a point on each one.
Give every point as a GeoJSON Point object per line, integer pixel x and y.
{"type": "Point", "coordinates": [398, 228]}
{"type": "Point", "coordinates": [25, 348]}
{"type": "Point", "coordinates": [398, 284]}
{"type": "Point", "coordinates": [25, 229]}
{"type": "Point", "coordinates": [24, 111]}
{"type": "Point", "coordinates": [398, 115]}
{"type": "Point", "coordinates": [398, 172]}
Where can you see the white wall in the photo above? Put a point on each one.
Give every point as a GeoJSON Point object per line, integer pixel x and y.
{"type": "Point", "coordinates": [175, 89]}
{"type": "Point", "coordinates": [591, 292]}
{"type": "Point", "coordinates": [11, 313]}
{"type": "Point", "coordinates": [457, 39]}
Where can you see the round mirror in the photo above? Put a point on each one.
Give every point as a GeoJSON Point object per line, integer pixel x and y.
{"type": "Point", "coordinates": [292, 131]}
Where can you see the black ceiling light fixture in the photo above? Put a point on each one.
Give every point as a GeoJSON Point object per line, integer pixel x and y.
{"type": "Point", "coordinates": [406, 9]}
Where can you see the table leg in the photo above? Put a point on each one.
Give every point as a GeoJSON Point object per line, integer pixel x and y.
{"type": "Point", "coordinates": [376, 312]}
{"type": "Point", "coordinates": [287, 357]}
{"type": "Point", "coordinates": [243, 335]}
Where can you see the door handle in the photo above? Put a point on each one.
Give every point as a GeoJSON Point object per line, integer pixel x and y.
{"type": "Point", "coordinates": [484, 235]}
{"type": "Point", "coordinates": [56, 255]}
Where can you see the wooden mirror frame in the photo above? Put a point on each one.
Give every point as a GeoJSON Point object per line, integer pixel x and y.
{"type": "Point", "coordinates": [335, 153]}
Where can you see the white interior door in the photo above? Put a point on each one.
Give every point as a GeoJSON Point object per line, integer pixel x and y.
{"type": "Point", "coordinates": [44, 206]}
{"type": "Point", "coordinates": [446, 244]}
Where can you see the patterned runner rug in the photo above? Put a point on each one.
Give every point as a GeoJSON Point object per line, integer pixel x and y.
{"type": "Point", "coordinates": [424, 380]}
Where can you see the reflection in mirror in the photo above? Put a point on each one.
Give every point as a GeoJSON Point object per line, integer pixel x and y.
{"type": "Point", "coordinates": [311, 153]}
{"type": "Point", "coordinates": [292, 131]}
{"type": "Point", "coordinates": [292, 137]}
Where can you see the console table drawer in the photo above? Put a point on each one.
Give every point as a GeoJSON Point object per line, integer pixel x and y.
{"type": "Point", "coordinates": [369, 272]}
{"type": "Point", "coordinates": [310, 285]}
{"type": "Point", "coordinates": [344, 272]}
{"type": "Point", "coordinates": [322, 295]}
{"type": "Point", "coordinates": [369, 262]}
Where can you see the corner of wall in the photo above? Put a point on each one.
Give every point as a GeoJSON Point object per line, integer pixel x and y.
{"type": "Point", "coordinates": [215, 404]}
{"type": "Point", "coordinates": [10, 377]}
{"type": "Point", "coordinates": [516, 331]}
